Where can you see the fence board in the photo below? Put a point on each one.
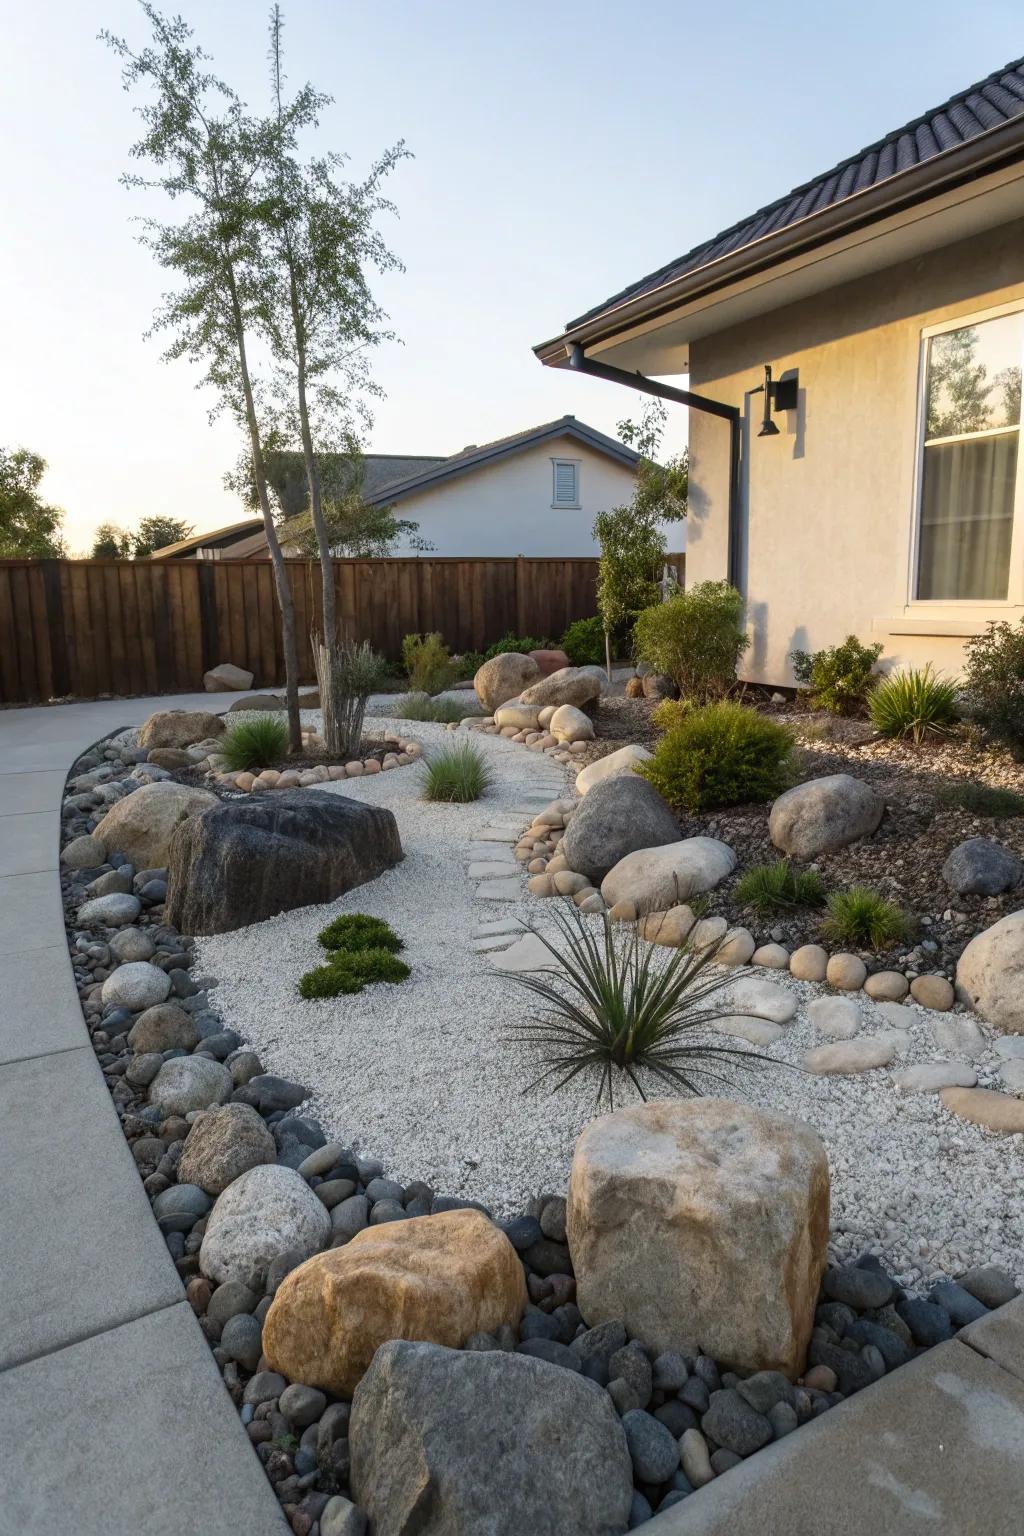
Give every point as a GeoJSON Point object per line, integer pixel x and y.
{"type": "Point", "coordinates": [84, 627]}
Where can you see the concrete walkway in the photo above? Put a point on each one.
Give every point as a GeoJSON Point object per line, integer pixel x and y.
{"type": "Point", "coordinates": [113, 1416]}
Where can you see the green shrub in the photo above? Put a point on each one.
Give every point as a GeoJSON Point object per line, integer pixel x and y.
{"type": "Point", "coordinates": [457, 773]}
{"type": "Point", "coordinates": [355, 931]}
{"type": "Point", "coordinates": [862, 919]}
{"type": "Point", "coordinates": [613, 1005]}
{"type": "Point", "coordinates": [427, 663]}
{"type": "Point", "coordinates": [518, 643]}
{"type": "Point", "coordinates": [982, 799]}
{"type": "Point", "coordinates": [670, 713]}
{"type": "Point", "coordinates": [994, 681]}
{"type": "Point", "coordinates": [467, 665]}
{"type": "Point", "coordinates": [583, 643]}
{"type": "Point", "coordinates": [839, 678]}
{"type": "Point", "coordinates": [776, 887]}
{"type": "Point", "coordinates": [350, 971]}
{"type": "Point", "coordinates": [721, 754]}
{"type": "Point", "coordinates": [917, 703]}
{"type": "Point", "coordinates": [696, 638]}
{"type": "Point", "coordinates": [442, 711]}
{"type": "Point", "coordinates": [255, 744]}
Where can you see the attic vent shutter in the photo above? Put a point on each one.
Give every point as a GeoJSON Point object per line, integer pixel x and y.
{"type": "Point", "coordinates": [566, 494]}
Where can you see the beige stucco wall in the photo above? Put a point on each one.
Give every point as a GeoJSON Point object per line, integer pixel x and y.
{"type": "Point", "coordinates": [829, 504]}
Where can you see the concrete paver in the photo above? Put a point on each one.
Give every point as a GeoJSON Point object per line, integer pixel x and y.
{"type": "Point", "coordinates": [27, 792]}
{"type": "Point", "coordinates": [40, 1010]}
{"type": "Point", "coordinates": [31, 915]}
{"type": "Point", "coordinates": [28, 842]}
{"type": "Point", "coordinates": [1000, 1336]}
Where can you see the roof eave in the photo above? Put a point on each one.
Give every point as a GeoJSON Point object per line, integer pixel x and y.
{"type": "Point", "coordinates": [963, 162]}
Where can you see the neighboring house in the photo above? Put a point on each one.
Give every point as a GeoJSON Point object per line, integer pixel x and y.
{"type": "Point", "coordinates": [887, 296]}
{"type": "Point", "coordinates": [216, 544]}
{"type": "Point", "coordinates": [535, 493]}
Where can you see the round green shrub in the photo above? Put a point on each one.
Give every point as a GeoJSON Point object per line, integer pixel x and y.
{"type": "Point", "coordinates": [695, 638]}
{"type": "Point", "coordinates": [355, 930]}
{"type": "Point", "coordinates": [350, 971]}
{"type": "Point", "coordinates": [583, 643]}
{"type": "Point", "coordinates": [840, 679]}
{"type": "Point", "coordinates": [721, 754]}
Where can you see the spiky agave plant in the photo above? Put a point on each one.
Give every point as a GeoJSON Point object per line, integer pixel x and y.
{"type": "Point", "coordinates": [615, 1005]}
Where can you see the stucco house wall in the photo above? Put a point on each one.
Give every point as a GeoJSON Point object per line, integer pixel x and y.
{"type": "Point", "coordinates": [505, 507]}
{"type": "Point", "coordinates": [829, 506]}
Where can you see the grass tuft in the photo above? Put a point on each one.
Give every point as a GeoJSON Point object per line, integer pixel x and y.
{"type": "Point", "coordinates": [458, 773]}
{"type": "Point", "coordinates": [777, 887]}
{"type": "Point", "coordinates": [917, 703]}
{"type": "Point", "coordinates": [863, 919]}
{"type": "Point", "coordinates": [255, 744]}
{"type": "Point", "coordinates": [982, 800]}
{"type": "Point", "coordinates": [442, 711]}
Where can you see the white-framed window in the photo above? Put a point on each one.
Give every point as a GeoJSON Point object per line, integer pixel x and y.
{"type": "Point", "coordinates": [565, 482]}
{"type": "Point", "coordinates": [969, 545]}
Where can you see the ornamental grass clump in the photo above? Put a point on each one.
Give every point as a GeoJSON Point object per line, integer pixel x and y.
{"type": "Point", "coordinates": [255, 744]}
{"type": "Point", "coordinates": [915, 703]}
{"type": "Point", "coordinates": [721, 754]}
{"type": "Point", "coordinates": [458, 774]}
{"type": "Point", "coordinates": [442, 711]}
{"type": "Point", "coordinates": [862, 919]}
{"type": "Point", "coordinates": [982, 800]}
{"type": "Point", "coordinates": [777, 887]}
{"type": "Point", "coordinates": [615, 1007]}
{"type": "Point", "coordinates": [360, 950]}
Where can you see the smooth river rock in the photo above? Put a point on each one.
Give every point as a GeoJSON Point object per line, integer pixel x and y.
{"type": "Point", "coordinates": [990, 974]}
{"type": "Point", "coordinates": [656, 878]}
{"type": "Point", "coordinates": [225, 1143]}
{"type": "Point", "coordinates": [823, 815]}
{"type": "Point", "coordinates": [269, 1211]}
{"type": "Point", "coordinates": [611, 767]}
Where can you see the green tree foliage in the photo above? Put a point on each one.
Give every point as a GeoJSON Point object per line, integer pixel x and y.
{"type": "Point", "coordinates": [29, 527]}
{"type": "Point", "coordinates": [661, 487]}
{"type": "Point", "coordinates": [113, 543]}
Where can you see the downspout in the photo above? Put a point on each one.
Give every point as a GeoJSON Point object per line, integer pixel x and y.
{"type": "Point", "coordinates": [579, 361]}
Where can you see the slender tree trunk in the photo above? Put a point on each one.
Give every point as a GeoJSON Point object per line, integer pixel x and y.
{"type": "Point", "coordinates": [608, 654]}
{"type": "Point", "coordinates": [315, 498]}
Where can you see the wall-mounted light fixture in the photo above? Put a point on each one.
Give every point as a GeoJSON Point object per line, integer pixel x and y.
{"type": "Point", "coordinates": [779, 395]}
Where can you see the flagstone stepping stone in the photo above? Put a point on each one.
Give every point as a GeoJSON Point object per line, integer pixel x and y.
{"type": "Point", "coordinates": [896, 1014]}
{"type": "Point", "coordinates": [762, 1000]}
{"type": "Point", "coordinates": [492, 853]}
{"type": "Point", "coordinates": [1012, 1074]}
{"type": "Point", "coordinates": [1009, 1047]}
{"type": "Point", "coordinates": [528, 954]}
{"type": "Point", "coordinates": [837, 1017]}
{"type": "Point", "coordinates": [849, 1056]}
{"type": "Point", "coordinates": [931, 1076]}
{"type": "Point", "coordinates": [507, 889]}
{"type": "Point", "coordinates": [488, 867]}
{"type": "Point", "coordinates": [499, 834]}
{"type": "Point", "coordinates": [985, 1106]}
{"type": "Point", "coordinates": [754, 1031]}
{"type": "Point", "coordinates": [900, 1040]}
{"type": "Point", "coordinates": [498, 925]}
{"type": "Point", "coordinates": [495, 941]}
{"type": "Point", "coordinates": [957, 1035]}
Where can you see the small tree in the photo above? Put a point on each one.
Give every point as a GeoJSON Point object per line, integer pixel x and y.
{"type": "Point", "coordinates": [111, 543]}
{"type": "Point", "coordinates": [632, 551]}
{"type": "Point", "coordinates": [156, 533]}
{"type": "Point", "coordinates": [661, 487]}
{"type": "Point", "coordinates": [29, 527]}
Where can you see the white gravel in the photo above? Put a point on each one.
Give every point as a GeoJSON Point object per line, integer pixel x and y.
{"type": "Point", "coordinates": [422, 1075]}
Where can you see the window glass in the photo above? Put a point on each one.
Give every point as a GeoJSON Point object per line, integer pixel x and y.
{"type": "Point", "coordinates": [974, 378]}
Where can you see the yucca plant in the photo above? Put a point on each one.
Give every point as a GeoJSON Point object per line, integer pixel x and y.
{"type": "Point", "coordinates": [860, 917]}
{"type": "Point", "coordinates": [775, 887]}
{"type": "Point", "coordinates": [255, 744]}
{"type": "Point", "coordinates": [458, 773]}
{"type": "Point", "coordinates": [443, 711]}
{"type": "Point", "coordinates": [983, 799]}
{"type": "Point", "coordinates": [917, 703]}
{"type": "Point", "coordinates": [614, 1006]}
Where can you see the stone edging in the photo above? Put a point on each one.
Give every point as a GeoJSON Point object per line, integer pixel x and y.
{"type": "Point", "coordinates": [407, 750]}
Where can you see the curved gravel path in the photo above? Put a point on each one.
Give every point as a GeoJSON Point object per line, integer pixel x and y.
{"type": "Point", "coordinates": [423, 1075]}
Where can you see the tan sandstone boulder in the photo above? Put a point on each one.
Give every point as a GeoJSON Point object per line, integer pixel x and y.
{"type": "Point", "coordinates": [142, 824]}
{"type": "Point", "coordinates": [180, 728]}
{"type": "Point", "coordinates": [990, 974]}
{"type": "Point", "coordinates": [504, 677]}
{"type": "Point", "coordinates": [569, 685]}
{"type": "Point", "coordinates": [728, 1209]}
{"type": "Point", "coordinates": [438, 1279]}
{"type": "Point", "coordinates": [227, 678]}
{"type": "Point", "coordinates": [611, 767]}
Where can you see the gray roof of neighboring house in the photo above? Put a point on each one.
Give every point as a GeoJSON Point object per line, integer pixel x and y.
{"type": "Point", "coordinates": [988, 104]}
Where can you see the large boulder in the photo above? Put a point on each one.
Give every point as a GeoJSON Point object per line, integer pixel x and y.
{"type": "Point", "coordinates": [227, 679]}
{"type": "Point", "coordinates": [142, 824]}
{"type": "Point", "coordinates": [982, 867]}
{"type": "Point", "coordinates": [246, 860]}
{"type": "Point", "coordinates": [180, 728]}
{"type": "Point", "coordinates": [656, 878]}
{"type": "Point", "coordinates": [438, 1278]}
{"type": "Point", "coordinates": [269, 1211]}
{"type": "Point", "coordinates": [702, 1222]}
{"type": "Point", "coordinates": [990, 974]}
{"type": "Point", "coordinates": [569, 685]}
{"type": "Point", "coordinates": [549, 661]}
{"type": "Point", "coordinates": [504, 677]}
{"type": "Point", "coordinates": [462, 1443]}
{"type": "Point", "coordinates": [610, 767]}
{"type": "Point", "coordinates": [223, 1144]}
{"type": "Point", "coordinates": [569, 724]}
{"type": "Point", "coordinates": [823, 815]}
{"type": "Point", "coordinates": [616, 818]}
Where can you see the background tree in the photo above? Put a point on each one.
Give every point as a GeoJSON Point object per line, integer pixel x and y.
{"type": "Point", "coordinates": [111, 543]}
{"type": "Point", "coordinates": [206, 154]}
{"type": "Point", "coordinates": [661, 487]}
{"type": "Point", "coordinates": [29, 527]}
{"type": "Point", "coordinates": [157, 532]}
{"type": "Point", "coordinates": [632, 553]}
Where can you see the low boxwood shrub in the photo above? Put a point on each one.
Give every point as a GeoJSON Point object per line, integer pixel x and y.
{"type": "Point", "coordinates": [696, 638]}
{"type": "Point", "coordinates": [862, 919]}
{"type": "Point", "coordinates": [255, 744]}
{"type": "Point", "coordinates": [721, 754]}
{"type": "Point", "coordinates": [994, 681]}
{"type": "Point", "coordinates": [583, 643]}
{"type": "Point", "coordinates": [776, 887]}
{"type": "Point", "coordinates": [840, 678]}
{"type": "Point", "coordinates": [355, 931]}
{"type": "Point", "coordinates": [915, 703]}
{"type": "Point", "coordinates": [350, 971]}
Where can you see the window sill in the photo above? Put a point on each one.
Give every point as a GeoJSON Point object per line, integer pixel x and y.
{"type": "Point", "coordinates": [952, 627]}
{"type": "Point", "coordinates": [566, 506]}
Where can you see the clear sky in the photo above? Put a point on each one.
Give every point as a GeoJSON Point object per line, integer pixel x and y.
{"type": "Point", "coordinates": [562, 150]}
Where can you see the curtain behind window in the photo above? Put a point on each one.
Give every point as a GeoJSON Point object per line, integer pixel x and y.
{"type": "Point", "coordinates": [967, 519]}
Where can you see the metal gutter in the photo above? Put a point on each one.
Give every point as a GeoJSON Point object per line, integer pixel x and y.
{"type": "Point", "coordinates": [986, 152]}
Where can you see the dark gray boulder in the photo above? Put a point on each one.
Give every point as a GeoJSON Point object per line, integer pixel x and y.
{"type": "Point", "coordinates": [982, 867]}
{"type": "Point", "coordinates": [450, 1442]}
{"type": "Point", "coordinates": [617, 816]}
{"type": "Point", "coordinates": [242, 861]}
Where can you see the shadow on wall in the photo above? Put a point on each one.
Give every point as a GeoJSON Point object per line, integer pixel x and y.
{"type": "Point", "coordinates": [757, 628]}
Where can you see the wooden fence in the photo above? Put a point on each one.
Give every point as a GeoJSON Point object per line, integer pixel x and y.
{"type": "Point", "coordinates": [80, 628]}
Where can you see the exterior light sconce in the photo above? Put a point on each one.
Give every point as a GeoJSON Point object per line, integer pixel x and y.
{"type": "Point", "coordinates": [779, 395]}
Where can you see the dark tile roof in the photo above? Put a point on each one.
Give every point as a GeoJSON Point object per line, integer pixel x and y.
{"type": "Point", "coordinates": [988, 104]}
{"type": "Point", "coordinates": [383, 469]}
